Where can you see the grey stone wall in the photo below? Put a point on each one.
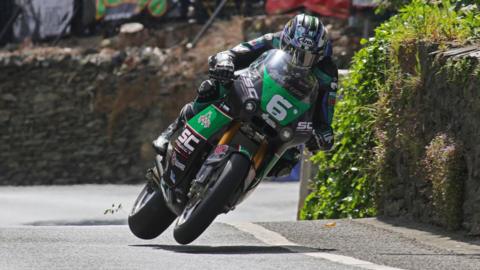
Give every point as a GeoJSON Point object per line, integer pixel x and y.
{"type": "Point", "coordinates": [68, 116]}
{"type": "Point", "coordinates": [88, 115]}
{"type": "Point", "coordinates": [429, 148]}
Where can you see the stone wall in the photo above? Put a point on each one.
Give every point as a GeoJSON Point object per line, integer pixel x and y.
{"type": "Point", "coordinates": [88, 115]}
{"type": "Point", "coordinates": [68, 117]}
{"type": "Point", "coordinates": [429, 137]}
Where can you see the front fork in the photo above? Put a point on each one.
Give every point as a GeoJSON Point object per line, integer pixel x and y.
{"type": "Point", "coordinates": [230, 134]}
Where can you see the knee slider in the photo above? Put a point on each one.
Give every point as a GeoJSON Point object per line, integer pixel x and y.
{"type": "Point", "coordinates": [187, 112]}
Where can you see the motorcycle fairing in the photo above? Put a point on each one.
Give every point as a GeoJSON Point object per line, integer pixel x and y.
{"type": "Point", "coordinates": [279, 103]}
{"type": "Point", "coordinates": [213, 164]}
{"type": "Point", "coordinates": [192, 143]}
{"type": "Point", "coordinates": [209, 121]}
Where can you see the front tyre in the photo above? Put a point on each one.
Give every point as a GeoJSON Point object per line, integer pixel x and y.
{"type": "Point", "coordinates": [200, 212]}
{"type": "Point", "coordinates": [150, 215]}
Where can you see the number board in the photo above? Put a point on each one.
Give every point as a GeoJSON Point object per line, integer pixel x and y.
{"type": "Point", "coordinates": [279, 103]}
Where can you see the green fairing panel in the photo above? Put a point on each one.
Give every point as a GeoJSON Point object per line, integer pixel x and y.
{"type": "Point", "coordinates": [279, 103]}
{"type": "Point", "coordinates": [209, 121]}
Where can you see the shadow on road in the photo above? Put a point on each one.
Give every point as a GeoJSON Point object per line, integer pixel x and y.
{"type": "Point", "coordinates": [88, 222]}
{"type": "Point", "coordinates": [221, 250]}
{"type": "Point", "coordinates": [461, 236]}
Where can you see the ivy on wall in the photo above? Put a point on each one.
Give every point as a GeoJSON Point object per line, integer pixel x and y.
{"type": "Point", "coordinates": [350, 179]}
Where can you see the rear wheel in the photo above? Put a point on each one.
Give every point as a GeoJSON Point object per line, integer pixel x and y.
{"type": "Point", "coordinates": [150, 215]}
{"type": "Point", "coordinates": [202, 210]}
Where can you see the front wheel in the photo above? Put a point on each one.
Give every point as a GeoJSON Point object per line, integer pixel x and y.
{"type": "Point", "coordinates": [202, 210]}
{"type": "Point", "coordinates": [150, 214]}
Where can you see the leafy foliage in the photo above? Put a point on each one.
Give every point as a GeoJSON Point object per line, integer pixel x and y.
{"type": "Point", "coordinates": [398, 4]}
{"type": "Point", "coordinates": [348, 183]}
{"type": "Point", "coordinates": [445, 169]}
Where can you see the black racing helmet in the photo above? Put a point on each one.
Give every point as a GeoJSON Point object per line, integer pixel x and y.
{"type": "Point", "coordinates": [305, 38]}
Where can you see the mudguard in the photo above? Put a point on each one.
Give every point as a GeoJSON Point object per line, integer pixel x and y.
{"type": "Point", "coordinates": [214, 164]}
{"type": "Point", "coordinates": [216, 160]}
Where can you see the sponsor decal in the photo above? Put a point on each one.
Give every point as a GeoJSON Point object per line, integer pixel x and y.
{"type": "Point", "coordinates": [306, 41]}
{"type": "Point", "coordinates": [327, 136]}
{"type": "Point", "coordinates": [205, 120]}
{"type": "Point", "coordinates": [300, 30]}
{"type": "Point", "coordinates": [334, 85]}
{"type": "Point", "coordinates": [250, 86]}
{"type": "Point", "coordinates": [220, 150]}
{"type": "Point", "coordinates": [305, 126]}
{"type": "Point", "coordinates": [187, 141]}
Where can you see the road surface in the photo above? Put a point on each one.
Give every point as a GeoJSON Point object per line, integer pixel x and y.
{"type": "Point", "coordinates": [65, 228]}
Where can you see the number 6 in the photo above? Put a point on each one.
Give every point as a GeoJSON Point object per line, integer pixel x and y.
{"type": "Point", "coordinates": [278, 106]}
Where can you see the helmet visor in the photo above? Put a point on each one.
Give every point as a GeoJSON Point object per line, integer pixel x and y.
{"type": "Point", "coordinates": [303, 58]}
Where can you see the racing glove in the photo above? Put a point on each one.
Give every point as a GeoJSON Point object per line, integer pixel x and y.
{"type": "Point", "coordinates": [322, 139]}
{"type": "Point", "coordinates": [221, 67]}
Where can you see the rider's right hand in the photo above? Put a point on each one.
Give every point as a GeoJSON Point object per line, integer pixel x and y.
{"type": "Point", "coordinates": [322, 139]}
{"type": "Point", "coordinates": [221, 68]}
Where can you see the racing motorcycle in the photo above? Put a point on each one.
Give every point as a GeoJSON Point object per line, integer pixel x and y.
{"type": "Point", "coordinates": [222, 153]}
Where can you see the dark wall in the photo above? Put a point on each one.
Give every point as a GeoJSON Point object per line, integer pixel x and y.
{"type": "Point", "coordinates": [429, 134]}
{"type": "Point", "coordinates": [71, 118]}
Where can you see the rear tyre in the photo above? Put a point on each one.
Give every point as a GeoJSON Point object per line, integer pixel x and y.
{"type": "Point", "coordinates": [200, 213]}
{"type": "Point", "coordinates": [150, 215]}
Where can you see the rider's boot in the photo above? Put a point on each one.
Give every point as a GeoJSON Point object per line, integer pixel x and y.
{"type": "Point", "coordinates": [161, 143]}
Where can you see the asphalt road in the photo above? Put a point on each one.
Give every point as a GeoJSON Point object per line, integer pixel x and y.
{"type": "Point", "coordinates": [86, 204]}
{"type": "Point", "coordinates": [65, 228]}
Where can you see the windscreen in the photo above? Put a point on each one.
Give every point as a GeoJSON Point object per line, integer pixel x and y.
{"type": "Point", "coordinates": [299, 81]}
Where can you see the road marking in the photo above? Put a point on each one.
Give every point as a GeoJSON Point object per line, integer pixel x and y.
{"type": "Point", "coordinates": [275, 239]}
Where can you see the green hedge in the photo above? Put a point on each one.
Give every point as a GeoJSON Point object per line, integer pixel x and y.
{"type": "Point", "coordinates": [349, 181]}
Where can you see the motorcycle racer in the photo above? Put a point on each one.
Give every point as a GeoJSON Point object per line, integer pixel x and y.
{"type": "Point", "coordinates": [305, 38]}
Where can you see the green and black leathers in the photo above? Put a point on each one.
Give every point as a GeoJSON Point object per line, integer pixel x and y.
{"type": "Point", "coordinates": [325, 70]}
